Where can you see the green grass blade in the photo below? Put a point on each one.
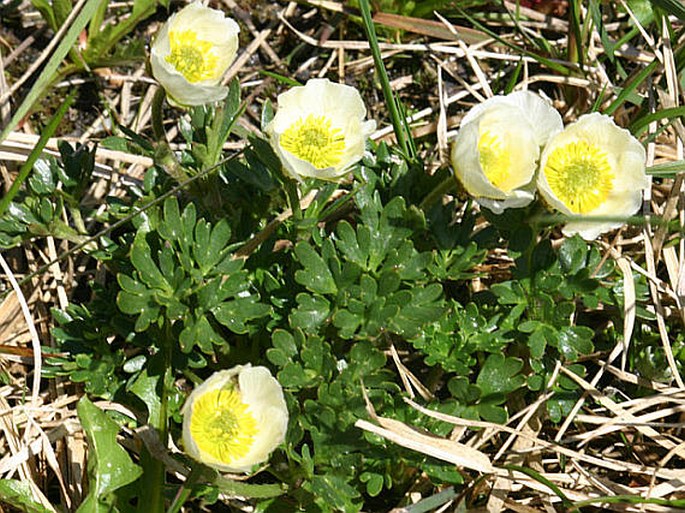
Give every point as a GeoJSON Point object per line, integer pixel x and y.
{"type": "Point", "coordinates": [674, 7]}
{"type": "Point", "coordinates": [47, 75]}
{"type": "Point", "coordinates": [630, 499]}
{"type": "Point", "coordinates": [668, 169]}
{"type": "Point", "coordinates": [26, 168]}
{"type": "Point", "coordinates": [631, 86]}
{"type": "Point", "coordinates": [433, 502]}
{"type": "Point", "coordinates": [566, 503]}
{"type": "Point", "coordinates": [575, 46]}
{"type": "Point", "coordinates": [398, 123]}
{"type": "Point", "coordinates": [551, 64]}
{"type": "Point", "coordinates": [641, 124]}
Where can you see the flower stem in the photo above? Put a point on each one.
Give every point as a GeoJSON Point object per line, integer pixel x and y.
{"type": "Point", "coordinates": [186, 489]}
{"type": "Point", "coordinates": [156, 467]}
{"type": "Point", "coordinates": [447, 185]}
{"type": "Point", "coordinates": [293, 199]}
{"type": "Point", "coordinates": [156, 115]}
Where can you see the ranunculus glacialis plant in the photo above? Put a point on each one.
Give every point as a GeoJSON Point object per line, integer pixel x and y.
{"type": "Point", "coordinates": [192, 52]}
{"type": "Point", "coordinates": [235, 419]}
{"type": "Point", "coordinates": [593, 169]}
{"type": "Point", "coordinates": [496, 151]}
{"type": "Point", "coordinates": [319, 130]}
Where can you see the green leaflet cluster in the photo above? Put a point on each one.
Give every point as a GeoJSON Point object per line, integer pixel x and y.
{"type": "Point", "coordinates": [184, 271]}
{"type": "Point", "coordinates": [368, 280]}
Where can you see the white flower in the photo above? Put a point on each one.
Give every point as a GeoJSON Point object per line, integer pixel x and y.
{"type": "Point", "coordinates": [235, 419]}
{"type": "Point", "coordinates": [192, 52]}
{"type": "Point", "coordinates": [496, 151]}
{"type": "Point", "coordinates": [593, 168]}
{"type": "Point", "coordinates": [319, 129]}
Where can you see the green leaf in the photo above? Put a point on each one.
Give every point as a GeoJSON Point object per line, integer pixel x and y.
{"type": "Point", "coordinates": [416, 308]}
{"type": "Point", "coordinates": [500, 376]}
{"type": "Point", "coordinates": [334, 491]}
{"type": "Point", "coordinates": [234, 314]}
{"type": "Point", "coordinates": [573, 254]}
{"type": "Point", "coordinates": [18, 495]}
{"type": "Point", "coordinates": [42, 181]}
{"type": "Point", "coordinates": [141, 258]}
{"type": "Point", "coordinates": [311, 312]}
{"type": "Point", "coordinates": [575, 341]}
{"type": "Point", "coordinates": [199, 333]}
{"type": "Point", "coordinates": [509, 293]}
{"type": "Point", "coordinates": [136, 299]}
{"type": "Point", "coordinates": [539, 339]}
{"type": "Point", "coordinates": [349, 245]}
{"type": "Point", "coordinates": [374, 483]}
{"type": "Point", "coordinates": [316, 275]}
{"type": "Point", "coordinates": [284, 341]}
{"type": "Point", "coordinates": [145, 388]}
{"type": "Point", "coordinates": [171, 229]}
{"type": "Point", "coordinates": [295, 377]}
{"type": "Point", "coordinates": [109, 466]}
{"type": "Point", "coordinates": [210, 247]}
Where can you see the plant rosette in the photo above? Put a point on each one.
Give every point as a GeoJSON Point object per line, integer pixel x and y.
{"type": "Point", "coordinates": [593, 169]}
{"type": "Point", "coordinates": [235, 419]}
{"type": "Point", "coordinates": [191, 54]}
{"type": "Point", "coordinates": [319, 130]}
{"type": "Point", "coordinates": [496, 151]}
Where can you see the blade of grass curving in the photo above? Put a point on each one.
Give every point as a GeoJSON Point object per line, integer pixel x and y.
{"type": "Point", "coordinates": [47, 75]}
{"type": "Point", "coordinates": [630, 87]}
{"type": "Point", "coordinates": [550, 63]}
{"type": "Point", "coordinates": [674, 7]}
{"type": "Point", "coordinates": [630, 499]}
{"type": "Point", "coordinates": [641, 124]}
{"type": "Point", "coordinates": [599, 100]}
{"type": "Point", "coordinates": [566, 503]}
{"type": "Point", "coordinates": [514, 79]}
{"type": "Point", "coordinates": [515, 17]}
{"type": "Point", "coordinates": [433, 502]}
{"type": "Point", "coordinates": [291, 82]}
{"type": "Point", "coordinates": [667, 170]}
{"type": "Point", "coordinates": [398, 122]}
{"type": "Point", "coordinates": [26, 168]}
{"type": "Point", "coordinates": [608, 45]}
{"type": "Point", "coordinates": [575, 45]}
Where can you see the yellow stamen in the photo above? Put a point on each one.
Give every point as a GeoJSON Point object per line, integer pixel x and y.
{"type": "Point", "coordinates": [314, 139]}
{"type": "Point", "coordinates": [222, 426]}
{"type": "Point", "coordinates": [494, 160]}
{"type": "Point", "coordinates": [192, 57]}
{"type": "Point", "coordinates": [579, 175]}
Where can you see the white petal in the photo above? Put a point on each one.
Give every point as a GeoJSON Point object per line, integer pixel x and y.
{"type": "Point", "coordinates": [517, 199]}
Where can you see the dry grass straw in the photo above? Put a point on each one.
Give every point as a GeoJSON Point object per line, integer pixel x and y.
{"type": "Point", "coordinates": [608, 445]}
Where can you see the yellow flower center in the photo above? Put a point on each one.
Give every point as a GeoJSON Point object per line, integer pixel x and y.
{"type": "Point", "coordinates": [494, 159]}
{"type": "Point", "coordinates": [314, 139]}
{"type": "Point", "coordinates": [579, 175]}
{"type": "Point", "coordinates": [192, 57]}
{"type": "Point", "coordinates": [222, 426]}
